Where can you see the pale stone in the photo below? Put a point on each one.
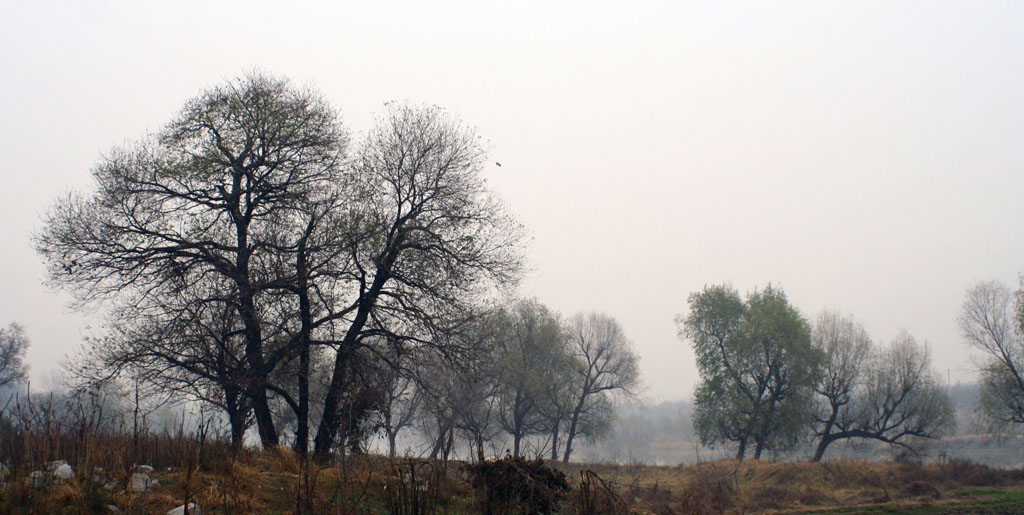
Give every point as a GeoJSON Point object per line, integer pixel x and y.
{"type": "Point", "coordinates": [37, 479]}
{"type": "Point", "coordinates": [139, 482]}
{"type": "Point", "coordinates": [193, 509]}
{"type": "Point", "coordinates": [64, 471]}
{"type": "Point", "coordinates": [54, 465]}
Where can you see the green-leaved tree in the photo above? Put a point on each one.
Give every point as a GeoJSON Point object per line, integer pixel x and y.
{"type": "Point", "coordinates": [757, 368]}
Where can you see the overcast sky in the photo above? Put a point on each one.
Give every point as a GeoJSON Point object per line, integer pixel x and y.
{"type": "Point", "coordinates": [865, 156]}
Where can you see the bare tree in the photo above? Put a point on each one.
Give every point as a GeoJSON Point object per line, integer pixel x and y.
{"type": "Point", "coordinates": [460, 387]}
{"type": "Point", "coordinates": [210, 195]}
{"type": "Point", "coordinates": [991, 321]}
{"type": "Point", "coordinates": [13, 344]}
{"type": "Point", "coordinates": [605, 362]}
{"type": "Point", "coordinates": [188, 345]}
{"type": "Point", "coordinates": [246, 195]}
{"type": "Point", "coordinates": [899, 401]}
{"type": "Point", "coordinates": [846, 346]}
{"type": "Point", "coordinates": [433, 238]}
{"type": "Point", "coordinates": [398, 371]}
{"type": "Point", "coordinates": [904, 399]}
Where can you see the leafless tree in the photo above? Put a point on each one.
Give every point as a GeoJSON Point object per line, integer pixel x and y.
{"type": "Point", "coordinates": [209, 196]}
{"type": "Point", "coordinates": [247, 195]}
{"type": "Point", "coordinates": [398, 373]}
{"type": "Point", "coordinates": [899, 400]}
{"type": "Point", "coordinates": [460, 387]}
{"type": "Point", "coordinates": [991, 321]}
{"type": "Point", "coordinates": [13, 344]}
{"type": "Point", "coordinates": [185, 346]}
{"type": "Point", "coordinates": [604, 363]}
{"type": "Point", "coordinates": [846, 346]}
{"type": "Point", "coordinates": [433, 238]}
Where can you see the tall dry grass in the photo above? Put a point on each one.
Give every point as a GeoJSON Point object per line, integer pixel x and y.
{"type": "Point", "coordinates": [195, 464]}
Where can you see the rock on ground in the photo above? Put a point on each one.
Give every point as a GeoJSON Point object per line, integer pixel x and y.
{"type": "Point", "coordinates": [54, 465]}
{"type": "Point", "coordinates": [140, 482]}
{"type": "Point", "coordinates": [63, 471]}
{"type": "Point", "coordinates": [193, 509]}
{"type": "Point", "coordinates": [37, 479]}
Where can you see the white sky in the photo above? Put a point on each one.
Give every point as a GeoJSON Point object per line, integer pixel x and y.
{"type": "Point", "coordinates": [865, 156]}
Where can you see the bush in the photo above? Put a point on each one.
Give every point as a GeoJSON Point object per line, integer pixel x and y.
{"type": "Point", "coordinates": [517, 485]}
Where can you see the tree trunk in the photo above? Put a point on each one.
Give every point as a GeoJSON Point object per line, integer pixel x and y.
{"type": "Point", "coordinates": [442, 430]}
{"type": "Point", "coordinates": [742, 449]}
{"type": "Point", "coordinates": [305, 331]}
{"type": "Point", "coordinates": [236, 418]}
{"type": "Point", "coordinates": [479, 447]}
{"type": "Point", "coordinates": [302, 429]}
{"type": "Point", "coordinates": [826, 435]}
{"type": "Point", "coordinates": [329, 422]}
{"type": "Point", "coordinates": [257, 390]}
{"type": "Point", "coordinates": [820, 450]}
{"type": "Point", "coordinates": [554, 443]}
{"type": "Point", "coordinates": [573, 424]}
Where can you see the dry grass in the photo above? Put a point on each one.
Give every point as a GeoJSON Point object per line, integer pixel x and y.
{"type": "Point", "coordinates": [192, 467]}
{"type": "Point", "coordinates": [760, 486]}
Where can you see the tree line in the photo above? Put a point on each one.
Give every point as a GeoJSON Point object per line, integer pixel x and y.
{"type": "Point", "coordinates": [250, 256]}
{"type": "Point", "coordinates": [769, 378]}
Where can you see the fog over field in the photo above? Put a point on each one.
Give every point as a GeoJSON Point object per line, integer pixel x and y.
{"type": "Point", "coordinates": [865, 157]}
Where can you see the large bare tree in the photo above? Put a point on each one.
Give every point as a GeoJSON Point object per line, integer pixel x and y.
{"type": "Point", "coordinates": [213, 194]}
{"type": "Point", "coordinates": [433, 238]}
{"type": "Point", "coordinates": [246, 197]}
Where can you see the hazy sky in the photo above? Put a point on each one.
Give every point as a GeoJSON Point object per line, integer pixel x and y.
{"type": "Point", "coordinates": [864, 156]}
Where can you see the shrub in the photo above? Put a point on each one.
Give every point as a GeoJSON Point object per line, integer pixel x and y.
{"type": "Point", "coordinates": [517, 485]}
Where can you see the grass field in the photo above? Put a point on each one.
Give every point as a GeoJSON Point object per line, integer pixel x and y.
{"type": "Point", "coordinates": [278, 482]}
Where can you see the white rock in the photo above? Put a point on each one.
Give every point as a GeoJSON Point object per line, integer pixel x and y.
{"type": "Point", "coordinates": [37, 479]}
{"type": "Point", "coordinates": [145, 469]}
{"type": "Point", "coordinates": [193, 509]}
{"type": "Point", "coordinates": [140, 482]}
{"type": "Point", "coordinates": [64, 471]}
{"type": "Point", "coordinates": [3, 472]}
{"type": "Point", "coordinates": [54, 465]}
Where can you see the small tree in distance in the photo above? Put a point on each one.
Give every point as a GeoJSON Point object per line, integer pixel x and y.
{"type": "Point", "coordinates": [605, 363]}
{"type": "Point", "coordinates": [992, 321]}
{"type": "Point", "coordinates": [13, 344]}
